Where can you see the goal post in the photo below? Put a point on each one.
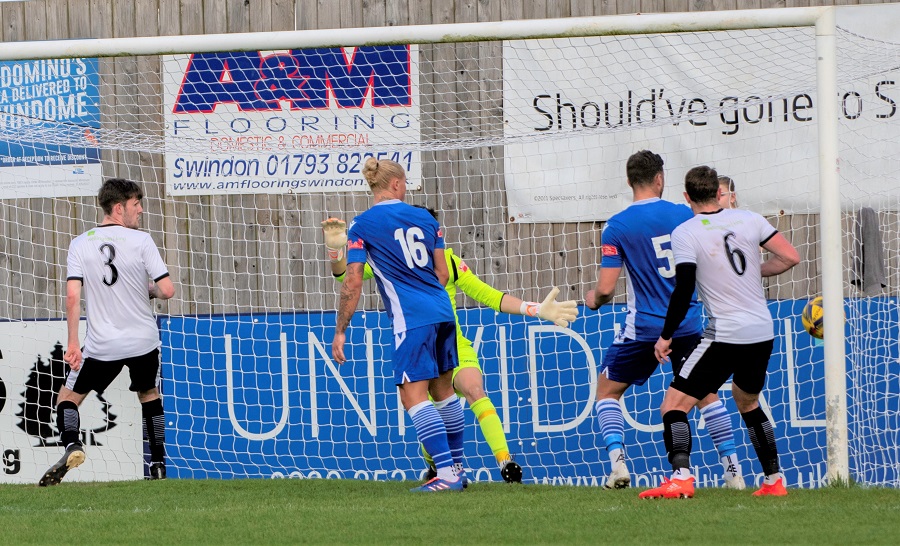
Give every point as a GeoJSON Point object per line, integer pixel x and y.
{"type": "Point", "coordinates": [832, 275]}
{"type": "Point", "coordinates": [517, 133]}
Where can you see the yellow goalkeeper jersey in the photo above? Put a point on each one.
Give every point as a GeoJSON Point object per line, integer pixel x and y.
{"type": "Point", "coordinates": [463, 278]}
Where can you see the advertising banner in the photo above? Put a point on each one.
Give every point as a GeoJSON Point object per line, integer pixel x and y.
{"type": "Point", "coordinates": [259, 396]}
{"type": "Point", "coordinates": [49, 114]}
{"type": "Point", "coordinates": [289, 121]}
{"type": "Point", "coordinates": [31, 372]}
{"type": "Point", "coordinates": [743, 102]}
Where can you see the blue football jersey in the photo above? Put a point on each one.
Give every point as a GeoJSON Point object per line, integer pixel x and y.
{"type": "Point", "coordinates": [398, 241]}
{"type": "Point", "coordinates": [640, 238]}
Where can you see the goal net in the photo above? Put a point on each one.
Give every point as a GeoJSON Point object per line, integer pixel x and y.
{"type": "Point", "coordinates": [520, 146]}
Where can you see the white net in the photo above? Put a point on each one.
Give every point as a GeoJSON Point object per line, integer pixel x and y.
{"type": "Point", "coordinates": [520, 146]}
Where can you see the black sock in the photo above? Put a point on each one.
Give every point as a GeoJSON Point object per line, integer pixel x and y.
{"type": "Point", "coordinates": [68, 422]}
{"type": "Point", "coordinates": [677, 436]}
{"type": "Point", "coordinates": [155, 429]}
{"type": "Point", "coordinates": [763, 437]}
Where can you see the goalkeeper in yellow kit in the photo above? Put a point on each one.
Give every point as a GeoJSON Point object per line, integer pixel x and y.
{"type": "Point", "coordinates": [467, 377]}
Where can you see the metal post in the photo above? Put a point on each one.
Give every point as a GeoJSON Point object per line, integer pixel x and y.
{"type": "Point", "coordinates": [830, 250]}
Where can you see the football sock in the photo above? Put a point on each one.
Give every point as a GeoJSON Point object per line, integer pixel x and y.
{"type": "Point", "coordinates": [677, 437]}
{"type": "Point", "coordinates": [451, 412]}
{"type": "Point", "coordinates": [718, 424]}
{"type": "Point", "coordinates": [447, 474]}
{"type": "Point", "coordinates": [492, 428]}
{"type": "Point", "coordinates": [431, 432]}
{"type": "Point", "coordinates": [612, 428]}
{"type": "Point", "coordinates": [731, 465]}
{"type": "Point", "coordinates": [772, 478]}
{"type": "Point", "coordinates": [68, 422]}
{"type": "Point", "coordinates": [763, 438]}
{"type": "Point", "coordinates": [428, 460]}
{"type": "Point", "coordinates": [155, 429]}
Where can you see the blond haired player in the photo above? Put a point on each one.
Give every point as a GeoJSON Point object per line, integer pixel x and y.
{"type": "Point", "coordinates": [467, 378]}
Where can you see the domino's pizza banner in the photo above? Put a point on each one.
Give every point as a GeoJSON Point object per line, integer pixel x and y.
{"type": "Point", "coordinates": [289, 121]}
{"type": "Point", "coordinates": [743, 102]}
{"type": "Point", "coordinates": [259, 396]}
{"type": "Point", "coordinates": [49, 117]}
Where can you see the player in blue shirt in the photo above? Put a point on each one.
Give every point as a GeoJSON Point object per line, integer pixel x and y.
{"type": "Point", "coordinates": [405, 248]}
{"type": "Point", "coordinates": [639, 238]}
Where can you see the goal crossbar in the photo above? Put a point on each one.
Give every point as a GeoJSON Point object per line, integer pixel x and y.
{"type": "Point", "coordinates": [641, 23]}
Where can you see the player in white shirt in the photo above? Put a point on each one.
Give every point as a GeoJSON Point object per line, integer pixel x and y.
{"type": "Point", "coordinates": [728, 195]}
{"type": "Point", "coordinates": [121, 270]}
{"type": "Point", "coordinates": [639, 239]}
{"type": "Point", "coordinates": [717, 251]}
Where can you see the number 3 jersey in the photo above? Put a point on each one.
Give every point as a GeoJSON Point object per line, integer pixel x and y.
{"type": "Point", "coordinates": [398, 242]}
{"type": "Point", "coordinates": [115, 264]}
{"type": "Point", "coordinates": [639, 238]}
{"type": "Point", "coordinates": [725, 247]}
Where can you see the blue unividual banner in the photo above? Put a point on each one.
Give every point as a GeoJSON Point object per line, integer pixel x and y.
{"type": "Point", "coordinates": [259, 396]}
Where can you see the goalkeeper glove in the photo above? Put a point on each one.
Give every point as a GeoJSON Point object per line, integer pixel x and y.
{"type": "Point", "coordinates": [557, 312]}
{"type": "Point", "coordinates": [335, 231]}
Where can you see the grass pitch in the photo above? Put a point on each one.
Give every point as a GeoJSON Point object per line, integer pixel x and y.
{"type": "Point", "coordinates": [326, 512]}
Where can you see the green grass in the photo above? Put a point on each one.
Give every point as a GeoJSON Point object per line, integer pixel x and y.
{"type": "Point", "coordinates": [320, 511]}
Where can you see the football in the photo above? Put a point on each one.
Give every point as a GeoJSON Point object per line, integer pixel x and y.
{"type": "Point", "coordinates": [812, 317]}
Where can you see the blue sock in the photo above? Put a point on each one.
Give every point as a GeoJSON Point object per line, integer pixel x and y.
{"type": "Point", "coordinates": [718, 424]}
{"type": "Point", "coordinates": [431, 432]}
{"type": "Point", "coordinates": [612, 423]}
{"type": "Point", "coordinates": [451, 412]}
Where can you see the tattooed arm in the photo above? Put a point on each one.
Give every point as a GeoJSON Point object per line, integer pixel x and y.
{"type": "Point", "coordinates": [350, 291]}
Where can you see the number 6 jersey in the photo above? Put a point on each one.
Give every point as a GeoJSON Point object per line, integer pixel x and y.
{"type": "Point", "coordinates": [398, 242]}
{"type": "Point", "coordinates": [114, 264]}
{"type": "Point", "coordinates": [725, 247]}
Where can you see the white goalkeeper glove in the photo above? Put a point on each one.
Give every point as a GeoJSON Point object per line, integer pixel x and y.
{"type": "Point", "coordinates": [557, 312]}
{"type": "Point", "coordinates": [335, 231]}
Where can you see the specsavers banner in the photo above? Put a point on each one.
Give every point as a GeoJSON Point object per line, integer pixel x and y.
{"type": "Point", "coordinates": [743, 102]}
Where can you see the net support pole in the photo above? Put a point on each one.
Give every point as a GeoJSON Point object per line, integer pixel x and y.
{"type": "Point", "coordinates": [830, 250]}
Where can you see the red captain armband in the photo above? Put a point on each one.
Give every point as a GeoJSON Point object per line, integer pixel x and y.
{"type": "Point", "coordinates": [358, 245]}
{"type": "Point", "coordinates": [609, 250]}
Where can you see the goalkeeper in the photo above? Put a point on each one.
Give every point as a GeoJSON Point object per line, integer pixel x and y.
{"type": "Point", "coordinates": [467, 378]}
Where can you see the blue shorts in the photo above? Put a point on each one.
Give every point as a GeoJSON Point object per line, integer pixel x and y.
{"type": "Point", "coordinates": [633, 362]}
{"type": "Point", "coordinates": [423, 353]}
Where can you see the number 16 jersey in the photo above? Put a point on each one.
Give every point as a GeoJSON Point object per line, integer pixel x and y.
{"type": "Point", "coordinates": [114, 264]}
{"type": "Point", "coordinates": [398, 241]}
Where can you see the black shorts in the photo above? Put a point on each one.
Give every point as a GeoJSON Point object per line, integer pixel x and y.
{"type": "Point", "coordinates": [711, 363]}
{"type": "Point", "coordinates": [96, 375]}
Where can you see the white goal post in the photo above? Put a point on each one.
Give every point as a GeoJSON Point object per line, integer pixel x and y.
{"type": "Point", "coordinates": [134, 144]}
